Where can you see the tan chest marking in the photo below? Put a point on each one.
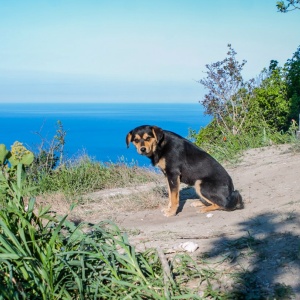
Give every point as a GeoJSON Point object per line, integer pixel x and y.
{"type": "Point", "coordinates": [162, 164]}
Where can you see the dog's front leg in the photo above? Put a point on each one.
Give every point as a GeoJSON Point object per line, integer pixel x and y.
{"type": "Point", "coordinates": [173, 186]}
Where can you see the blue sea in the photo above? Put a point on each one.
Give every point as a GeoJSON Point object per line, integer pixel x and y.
{"type": "Point", "coordinates": [98, 130]}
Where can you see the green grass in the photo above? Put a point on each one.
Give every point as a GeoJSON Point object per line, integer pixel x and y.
{"type": "Point", "coordinates": [229, 147]}
{"type": "Point", "coordinates": [43, 256]}
{"type": "Point", "coordinates": [84, 175]}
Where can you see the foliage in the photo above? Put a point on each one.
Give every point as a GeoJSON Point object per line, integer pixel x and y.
{"type": "Point", "coordinates": [50, 153]}
{"type": "Point", "coordinates": [43, 256]}
{"type": "Point", "coordinates": [288, 5]}
{"type": "Point", "coordinates": [269, 101]}
{"type": "Point", "coordinates": [227, 147]}
{"type": "Point", "coordinates": [252, 114]}
{"type": "Point", "coordinates": [228, 96]}
{"type": "Point", "coordinates": [60, 139]}
{"type": "Point", "coordinates": [9, 161]}
{"type": "Point", "coordinates": [292, 67]}
{"type": "Point", "coordinates": [51, 172]}
{"type": "Point", "coordinates": [84, 175]}
{"type": "Point", "coordinates": [18, 154]}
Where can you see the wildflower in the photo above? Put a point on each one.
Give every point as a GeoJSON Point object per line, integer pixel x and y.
{"type": "Point", "coordinates": [18, 151]}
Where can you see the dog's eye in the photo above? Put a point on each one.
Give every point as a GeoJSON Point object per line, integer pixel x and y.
{"type": "Point", "coordinates": [148, 139]}
{"type": "Point", "coordinates": [136, 140]}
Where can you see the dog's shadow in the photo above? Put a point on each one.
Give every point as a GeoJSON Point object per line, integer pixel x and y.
{"type": "Point", "coordinates": [187, 194]}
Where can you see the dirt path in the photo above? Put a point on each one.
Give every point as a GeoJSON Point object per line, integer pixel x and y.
{"type": "Point", "coordinates": [260, 242]}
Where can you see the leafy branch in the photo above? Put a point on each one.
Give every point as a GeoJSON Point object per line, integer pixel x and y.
{"type": "Point", "coordinates": [228, 94]}
{"type": "Point", "coordinates": [288, 6]}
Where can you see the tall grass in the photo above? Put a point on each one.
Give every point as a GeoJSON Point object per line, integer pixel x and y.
{"type": "Point", "coordinates": [84, 175]}
{"type": "Point", "coordinates": [52, 172]}
{"type": "Point", "coordinates": [227, 147]}
{"type": "Point", "coordinates": [43, 256]}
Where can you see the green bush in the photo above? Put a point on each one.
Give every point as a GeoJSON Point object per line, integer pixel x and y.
{"type": "Point", "coordinates": [227, 147]}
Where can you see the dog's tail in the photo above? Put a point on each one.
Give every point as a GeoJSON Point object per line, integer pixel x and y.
{"type": "Point", "coordinates": [234, 201]}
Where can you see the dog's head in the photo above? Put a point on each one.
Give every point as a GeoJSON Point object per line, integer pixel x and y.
{"type": "Point", "coordinates": [145, 138]}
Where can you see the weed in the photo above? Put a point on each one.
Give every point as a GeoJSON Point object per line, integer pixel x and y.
{"type": "Point", "coordinates": [282, 291]}
{"type": "Point", "coordinates": [291, 216]}
{"type": "Point", "coordinates": [243, 242]}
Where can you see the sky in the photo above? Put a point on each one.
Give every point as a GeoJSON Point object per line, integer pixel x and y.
{"type": "Point", "coordinates": [133, 50]}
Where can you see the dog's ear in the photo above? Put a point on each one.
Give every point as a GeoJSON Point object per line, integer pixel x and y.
{"type": "Point", "coordinates": [158, 133]}
{"type": "Point", "coordinates": [128, 138]}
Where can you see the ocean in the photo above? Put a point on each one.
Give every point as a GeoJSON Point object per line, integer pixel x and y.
{"type": "Point", "coordinates": [98, 130]}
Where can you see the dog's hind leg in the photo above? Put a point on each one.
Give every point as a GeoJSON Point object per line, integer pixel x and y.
{"type": "Point", "coordinates": [204, 208]}
{"type": "Point", "coordinates": [173, 186]}
{"type": "Point", "coordinates": [199, 203]}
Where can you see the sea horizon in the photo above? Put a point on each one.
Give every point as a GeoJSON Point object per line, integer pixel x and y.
{"type": "Point", "coordinates": [95, 129]}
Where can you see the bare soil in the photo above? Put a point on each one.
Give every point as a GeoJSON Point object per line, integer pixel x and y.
{"type": "Point", "coordinates": [259, 244]}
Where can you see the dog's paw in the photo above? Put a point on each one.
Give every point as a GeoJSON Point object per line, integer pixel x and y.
{"type": "Point", "coordinates": [164, 209]}
{"type": "Point", "coordinates": [169, 213]}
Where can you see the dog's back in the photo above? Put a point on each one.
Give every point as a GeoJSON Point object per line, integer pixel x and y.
{"type": "Point", "coordinates": [193, 162]}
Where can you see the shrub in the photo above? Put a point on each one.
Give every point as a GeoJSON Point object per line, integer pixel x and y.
{"type": "Point", "coordinates": [227, 147]}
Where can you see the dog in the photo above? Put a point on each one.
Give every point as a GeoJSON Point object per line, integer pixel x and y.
{"type": "Point", "coordinates": [182, 161]}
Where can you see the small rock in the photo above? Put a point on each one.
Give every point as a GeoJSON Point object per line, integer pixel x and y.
{"type": "Point", "coordinates": [189, 246]}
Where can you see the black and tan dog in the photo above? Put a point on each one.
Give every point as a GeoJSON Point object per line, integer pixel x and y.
{"type": "Point", "coordinates": [182, 161]}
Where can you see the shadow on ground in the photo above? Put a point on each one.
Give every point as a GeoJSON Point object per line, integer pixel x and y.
{"type": "Point", "coordinates": [267, 258]}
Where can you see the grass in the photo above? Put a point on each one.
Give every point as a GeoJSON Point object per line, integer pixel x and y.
{"type": "Point", "coordinates": [228, 148]}
{"type": "Point", "coordinates": [76, 181]}
{"type": "Point", "coordinates": [44, 256]}
{"type": "Point", "coordinates": [84, 175]}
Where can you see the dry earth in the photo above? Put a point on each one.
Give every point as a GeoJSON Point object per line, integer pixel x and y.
{"type": "Point", "coordinates": [261, 242]}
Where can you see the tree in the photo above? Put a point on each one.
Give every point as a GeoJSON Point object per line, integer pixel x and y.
{"type": "Point", "coordinates": [270, 101]}
{"type": "Point", "coordinates": [289, 5]}
{"type": "Point", "coordinates": [293, 83]}
{"type": "Point", "coordinates": [228, 95]}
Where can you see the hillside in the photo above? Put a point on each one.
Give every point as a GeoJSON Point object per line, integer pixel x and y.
{"type": "Point", "coordinates": [261, 243]}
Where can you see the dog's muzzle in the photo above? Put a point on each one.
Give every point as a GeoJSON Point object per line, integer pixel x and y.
{"type": "Point", "coordinates": [143, 150]}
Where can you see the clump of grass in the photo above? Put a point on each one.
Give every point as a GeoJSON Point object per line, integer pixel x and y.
{"type": "Point", "coordinates": [228, 147]}
{"type": "Point", "coordinates": [51, 172]}
{"type": "Point", "coordinates": [84, 175]}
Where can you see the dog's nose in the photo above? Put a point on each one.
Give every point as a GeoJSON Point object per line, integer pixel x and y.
{"type": "Point", "coordinates": [143, 149]}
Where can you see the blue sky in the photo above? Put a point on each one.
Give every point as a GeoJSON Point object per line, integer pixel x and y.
{"type": "Point", "coordinates": [133, 51]}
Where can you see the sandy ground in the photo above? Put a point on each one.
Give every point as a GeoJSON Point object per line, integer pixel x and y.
{"type": "Point", "coordinates": [260, 242]}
